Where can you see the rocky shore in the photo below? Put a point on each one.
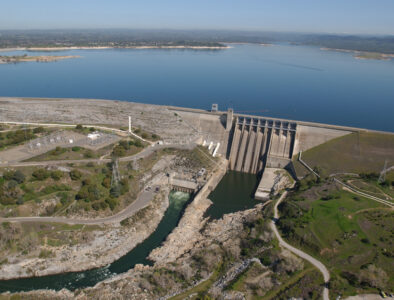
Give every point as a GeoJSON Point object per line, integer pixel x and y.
{"type": "Point", "coordinates": [104, 247]}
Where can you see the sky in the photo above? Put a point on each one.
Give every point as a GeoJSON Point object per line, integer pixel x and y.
{"type": "Point", "coordinates": [328, 16]}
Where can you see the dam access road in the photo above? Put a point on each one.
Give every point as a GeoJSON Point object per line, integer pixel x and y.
{"type": "Point", "coordinates": [322, 268]}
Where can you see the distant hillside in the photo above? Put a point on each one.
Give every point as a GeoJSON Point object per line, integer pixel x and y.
{"type": "Point", "coordinates": [210, 38]}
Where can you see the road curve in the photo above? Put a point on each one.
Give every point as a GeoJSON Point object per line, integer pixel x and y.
{"type": "Point", "coordinates": [142, 201]}
{"type": "Point", "coordinates": [298, 252]}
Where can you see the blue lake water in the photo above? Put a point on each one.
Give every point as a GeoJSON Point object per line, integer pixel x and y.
{"type": "Point", "coordinates": [295, 82]}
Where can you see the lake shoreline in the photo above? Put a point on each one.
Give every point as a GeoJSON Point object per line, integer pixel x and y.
{"type": "Point", "coordinates": [42, 58]}
{"type": "Point", "coordinates": [365, 55]}
{"type": "Point", "coordinates": [52, 49]}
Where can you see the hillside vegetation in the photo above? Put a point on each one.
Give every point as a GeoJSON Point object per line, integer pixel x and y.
{"type": "Point", "coordinates": [362, 152]}
{"type": "Point", "coordinates": [350, 234]}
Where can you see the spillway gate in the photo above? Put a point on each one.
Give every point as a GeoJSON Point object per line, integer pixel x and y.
{"type": "Point", "coordinates": [259, 142]}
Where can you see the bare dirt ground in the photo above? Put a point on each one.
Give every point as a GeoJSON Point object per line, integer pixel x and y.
{"type": "Point", "coordinates": [155, 119]}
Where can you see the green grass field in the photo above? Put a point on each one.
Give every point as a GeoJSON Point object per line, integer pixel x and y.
{"type": "Point", "coordinates": [356, 152]}
{"type": "Point", "coordinates": [347, 232]}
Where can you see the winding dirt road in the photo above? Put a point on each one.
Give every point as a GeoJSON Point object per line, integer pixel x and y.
{"type": "Point", "coordinates": [298, 252]}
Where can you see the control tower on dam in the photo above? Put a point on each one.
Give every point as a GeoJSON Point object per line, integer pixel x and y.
{"type": "Point", "coordinates": [258, 142]}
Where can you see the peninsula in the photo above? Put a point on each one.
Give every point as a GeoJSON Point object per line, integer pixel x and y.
{"type": "Point", "coordinates": [5, 59]}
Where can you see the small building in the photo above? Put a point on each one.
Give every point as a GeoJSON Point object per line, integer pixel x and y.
{"type": "Point", "coordinates": [201, 172]}
{"type": "Point", "coordinates": [182, 185]}
{"type": "Point", "coordinates": [93, 136]}
{"type": "Point", "coordinates": [215, 107]}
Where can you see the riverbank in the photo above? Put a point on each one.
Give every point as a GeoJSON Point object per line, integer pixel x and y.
{"type": "Point", "coordinates": [187, 233]}
{"type": "Point", "coordinates": [105, 246]}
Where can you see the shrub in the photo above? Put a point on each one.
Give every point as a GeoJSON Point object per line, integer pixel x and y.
{"type": "Point", "coordinates": [56, 175]}
{"type": "Point", "coordinates": [138, 144]}
{"type": "Point", "coordinates": [75, 174]}
{"type": "Point", "coordinates": [76, 149]}
{"type": "Point", "coordinates": [19, 177]}
{"type": "Point", "coordinates": [58, 150]}
{"type": "Point", "coordinates": [106, 182]}
{"type": "Point", "coordinates": [124, 186]}
{"type": "Point", "coordinates": [96, 206]}
{"type": "Point", "coordinates": [45, 253]}
{"type": "Point", "coordinates": [144, 135]}
{"type": "Point", "coordinates": [86, 181]}
{"type": "Point", "coordinates": [8, 175]}
{"type": "Point", "coordinates": [115, 191]}
{"type": "Point", "coordinates": [125, 145]}
{"type": "Point", "coordinates": [40, 174]}
{"type": "Point", "coordinates": [88, 154]}
{"type": "Point", "coordinates": [92, 129]}
{"type": "Point", "coordinates": [38, 130]}
{"type": "Point", "coordinates": [112, 203]}
{"type": "Point", "coordinates": [79, 127]}
{"type": "Point", "coordinates": [118, 151]}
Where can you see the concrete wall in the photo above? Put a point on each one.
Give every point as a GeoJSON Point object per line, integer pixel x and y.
{"type": "Point", "coordinates": [308, 137]}
{"type": "Point", "coordinates": [208, 127]}
{"type": "Point", "coordinates": [255, 139]}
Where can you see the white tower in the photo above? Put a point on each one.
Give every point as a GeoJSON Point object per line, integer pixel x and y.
{"type": "Point", "coordinates": [130, 124]}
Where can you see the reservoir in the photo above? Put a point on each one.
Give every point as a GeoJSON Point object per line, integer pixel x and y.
{"type": "Point", "coordinates": [281, 81]}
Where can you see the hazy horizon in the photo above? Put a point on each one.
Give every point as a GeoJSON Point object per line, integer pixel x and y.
{"type": "Point", "coordinates": [361, 17]}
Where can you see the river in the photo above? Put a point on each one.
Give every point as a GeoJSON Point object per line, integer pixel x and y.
{"type": "Point", "coordinates": [138, 255]}
{"type": "Point", "coordinates": [233, 193]}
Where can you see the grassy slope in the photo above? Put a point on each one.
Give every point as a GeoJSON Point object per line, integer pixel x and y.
{"type": "Point", "coordinates": [346, 232]}
{"type": "Point", "coordinates": [356, 152]}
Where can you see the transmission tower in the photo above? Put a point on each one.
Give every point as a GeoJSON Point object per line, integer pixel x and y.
{"type": "Point", "coordinates": [382, 176]}
{"type": "Point", "coordinates": [115, 173]}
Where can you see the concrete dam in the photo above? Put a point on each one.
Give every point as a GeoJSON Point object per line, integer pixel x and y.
{"type": "Point", "coordinates": [259, 142]}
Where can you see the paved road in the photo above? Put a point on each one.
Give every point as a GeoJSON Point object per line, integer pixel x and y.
{"type": "Point", "coordinates": [73, 125]}
{"type": "Point", "coordinates": [142, 200]}
{"type": "Point", "coordinates": [298, 252]}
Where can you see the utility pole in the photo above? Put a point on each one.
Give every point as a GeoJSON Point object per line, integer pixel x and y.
{"type": "Point", "coordinates": [382, 176]}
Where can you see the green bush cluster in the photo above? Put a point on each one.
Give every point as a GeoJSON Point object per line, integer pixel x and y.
{"type": "Point", "coordinates": [15, 137]}
{"type": "Point", "coordinates": [123, 146]}
{"type": "Point", "coordinates": [42, 174]}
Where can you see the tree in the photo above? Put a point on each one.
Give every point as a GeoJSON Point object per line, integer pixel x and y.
{"type": "Point", "coordinates": [79, 127]}
{"type": "Point", "coordinates": [19, 177]}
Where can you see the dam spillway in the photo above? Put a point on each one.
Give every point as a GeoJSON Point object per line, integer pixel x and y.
{"type": "Point", "coordinates": [257, 142]}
